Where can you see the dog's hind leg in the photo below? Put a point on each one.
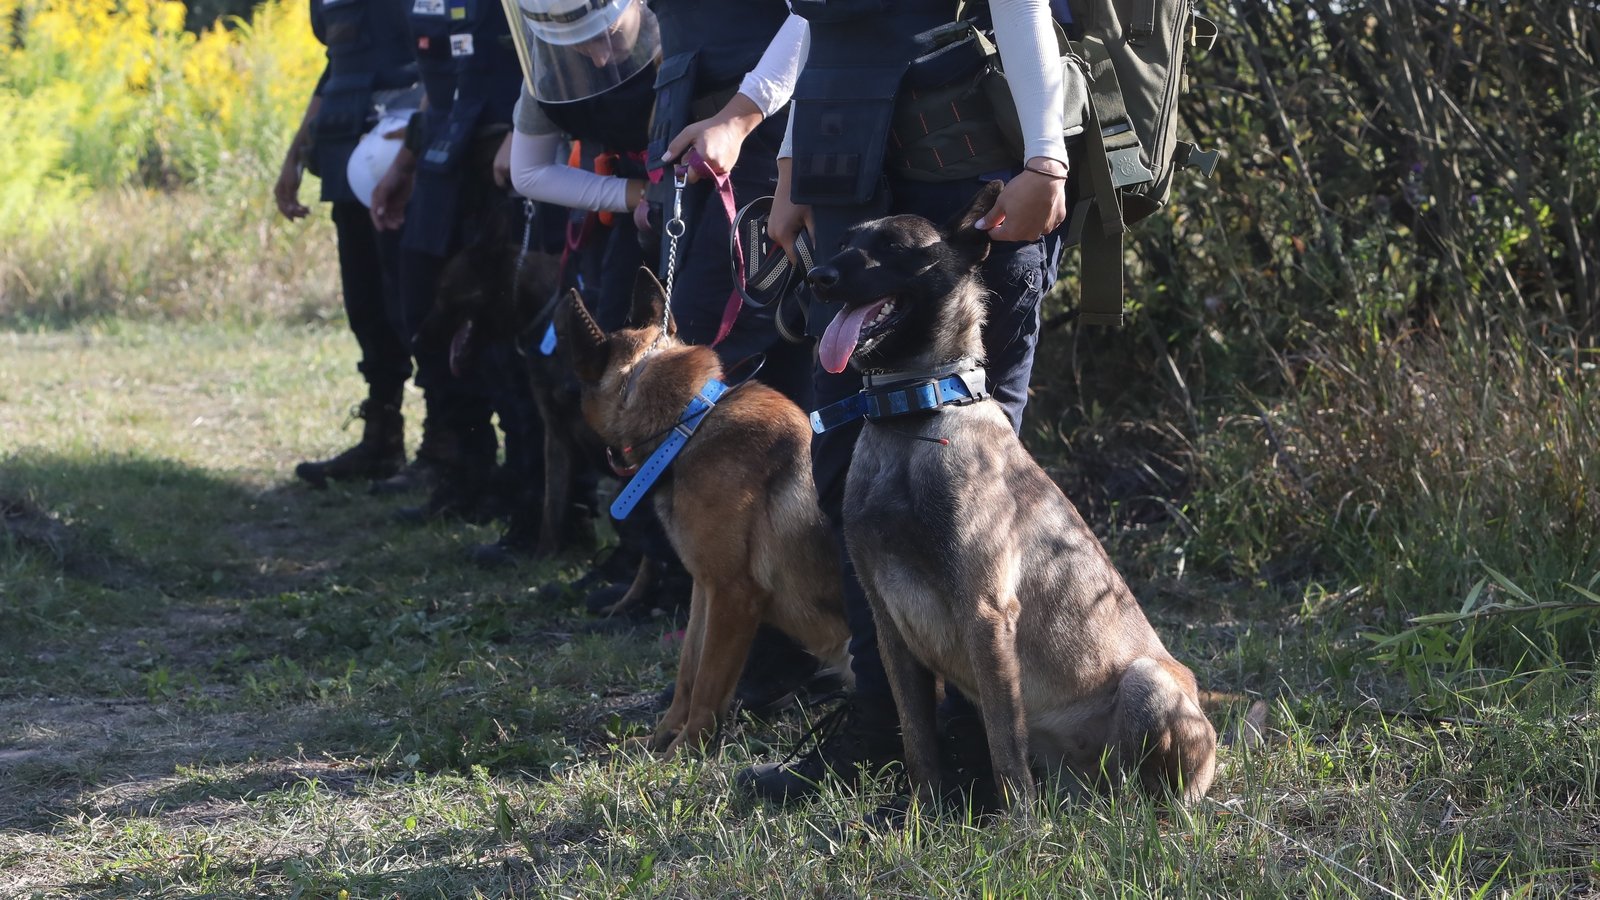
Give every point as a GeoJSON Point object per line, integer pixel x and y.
{"type": "Point", "coordinates": [644, 578]}
{"type": "Point", "coordinates": [991, 643]}
{"type": "Point", "coordinates": [1161, 731]}
{"type": "Point", "coordinates": [671, 725]}
{"type": "Point", "coordinates": [912, 684]}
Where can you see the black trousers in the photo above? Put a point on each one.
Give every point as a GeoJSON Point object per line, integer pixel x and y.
{"type": "Point", "coordinates": [372, 303]}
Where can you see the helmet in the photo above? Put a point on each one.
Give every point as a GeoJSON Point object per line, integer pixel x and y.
{"type": "Point", "coordinates": [375, 153]}
{"type": "Point", "coordinates": [575, 49]}
{"type": "Point", "coordinates": [566, 22]}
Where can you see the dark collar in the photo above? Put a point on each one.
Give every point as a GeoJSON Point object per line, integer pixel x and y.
{"type": "Point", "coordinates": [886, 395]}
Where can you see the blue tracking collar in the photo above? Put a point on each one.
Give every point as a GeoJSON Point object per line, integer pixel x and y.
{"type": "Point", "coordinates": [645, 478]}
{"type": "Point", "coordinates": [902, 393]}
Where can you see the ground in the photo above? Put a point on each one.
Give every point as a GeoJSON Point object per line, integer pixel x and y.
{"type": "Point", "coordinates": [216, 682]}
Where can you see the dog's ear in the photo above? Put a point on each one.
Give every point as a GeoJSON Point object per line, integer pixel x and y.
{"type": "Point", "coordinates": [650, 302]}
{"type": "Point", "coordinates": [578, 331]}
{"type": "Point", "coordinates": [962, 233]}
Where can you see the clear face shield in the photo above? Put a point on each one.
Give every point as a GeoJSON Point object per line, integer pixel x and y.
{"type": "Point", "coordinates": [576, 49]}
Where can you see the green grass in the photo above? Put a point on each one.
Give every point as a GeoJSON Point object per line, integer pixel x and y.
{"type": "Point", "coordinates": [217, 683]}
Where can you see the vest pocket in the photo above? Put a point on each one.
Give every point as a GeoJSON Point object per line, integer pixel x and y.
{"type": "Point", "coordinates": [841, 120]}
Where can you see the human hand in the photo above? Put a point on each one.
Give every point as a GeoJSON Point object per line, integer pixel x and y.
{"type": "Point", "coordinates": [393, 191]}
{"type": "Point", "coordinates": [788, 218]}
{"type": "Point", "coordinates": [1032, 204]}
{"type": "Point", "coordinates": [719, 138]}
{"type": "Point", "coordinates": [286, 192]}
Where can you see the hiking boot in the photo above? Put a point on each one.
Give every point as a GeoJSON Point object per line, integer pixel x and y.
{"type": "Point", "coordinates": [520, 539]}
{"type": "Point", "coordinates": [433, 455]}
{"type": "Point", "coordinates": [965, 767]}
{"type": "Point", "coordinates": [761, 697]}
{"type": "Point", "coordinates": [780, 673]}
{"type": "Point", "coordinates": [380, 453]}
{"type": "Point", "coordinates": [668, 589]}
{"type": "Point", "coordinates": [458, 495]}
{"type": "Point", "coordinates": [858, 735]}
{"type": "Point", "coordinates": [466, 464]}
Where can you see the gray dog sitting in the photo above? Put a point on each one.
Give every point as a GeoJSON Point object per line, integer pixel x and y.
{"type": "Point", "coordinates": [977, 567]}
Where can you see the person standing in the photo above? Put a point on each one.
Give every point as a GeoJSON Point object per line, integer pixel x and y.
{"type": "Point", "coordinates": [437, 194]}
{"type": "Point", "coordinates": [369, 58]}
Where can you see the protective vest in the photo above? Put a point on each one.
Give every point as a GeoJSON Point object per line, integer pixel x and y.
{"type": "Point", "coordinates": [368, 50]}
{"type": "Point", "coordinates": [845, 100]}
{"type": "Point", "coordinates": [707, 46]}
{"type": "Point", "coordinates": [470, 71]}
{"type": "Point", "coordinates": [616, 121]}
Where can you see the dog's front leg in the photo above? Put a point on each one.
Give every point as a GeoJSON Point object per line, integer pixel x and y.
{"type": "Point", "coordinates": [913, 687]}
{"type": "Point", "coordinates": [991, 640]}
{"type": "Point", "coordinates": [666, 736]}
{"type": "Point", "coordinates": [557, 491]}
{"type": "Point", "coordinates": [733, 611]}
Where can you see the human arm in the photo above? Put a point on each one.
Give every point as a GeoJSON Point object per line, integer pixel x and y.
{"type": "Point", "coordinates": [286, 191]}
{"type": "Point", "coordinates": [539, 171]}
{"type": "Point", "coordinates": [393, 191]}
{"type": "Point", "coordinates": [1033, 203]}
{"type": "Point", "coordinates": [787, 218]}
{"type": "Point", "coordinates": [764, 90]}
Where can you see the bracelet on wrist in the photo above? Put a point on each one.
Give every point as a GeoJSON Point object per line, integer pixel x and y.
{"type": "Point", "coordinates": [1045, 172]}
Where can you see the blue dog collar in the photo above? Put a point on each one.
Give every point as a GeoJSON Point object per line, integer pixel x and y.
{"type": "Point", "coordinates": [903, 393]}
{"type": "Point", "coordinates": [644, 479]}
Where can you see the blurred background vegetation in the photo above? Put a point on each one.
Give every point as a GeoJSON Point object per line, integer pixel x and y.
{"type": "Point", "coordinates": [142, 139]}
{"type": "Point", "coordinates": [1363, 355]}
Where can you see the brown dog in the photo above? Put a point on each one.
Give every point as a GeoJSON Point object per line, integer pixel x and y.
{"type": "Point", "coordinates": [737, 502]}
{"type": "Point", "coordinates": [978, 568]}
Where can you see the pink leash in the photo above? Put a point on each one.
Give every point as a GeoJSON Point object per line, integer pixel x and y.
{"type": "Point", "coordinates": [730, 311]}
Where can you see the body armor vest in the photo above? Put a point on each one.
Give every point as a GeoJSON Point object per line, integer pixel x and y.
{"type": "Point", "coordinates": [707, 46]}
{"type": "Point", "coordinates": [615, 121]}
{"type": "Point", "coordinates": [470, 70]}
{"type": "Point", "coordinates": [368, 50]}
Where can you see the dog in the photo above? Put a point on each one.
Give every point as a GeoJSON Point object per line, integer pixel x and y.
{"type": "Point", "coordinates": [978, 568]}
{"type": "Point", "coordinates": [494, 290]}
{"type": "Point", "coordinates": [738, 502]}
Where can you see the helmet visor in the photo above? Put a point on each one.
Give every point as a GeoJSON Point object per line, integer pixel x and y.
{"type": "Point", "coordinates": [575, 49]}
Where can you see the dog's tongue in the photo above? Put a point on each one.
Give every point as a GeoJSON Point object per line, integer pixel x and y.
{"type": "Point", "coordinates": [839, 341]}
{"type": "Point", "coordinates": [458, 347]}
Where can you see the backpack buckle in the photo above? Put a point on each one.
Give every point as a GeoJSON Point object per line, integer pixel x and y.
{"type": "Point", "coordinates": [1188, 156]}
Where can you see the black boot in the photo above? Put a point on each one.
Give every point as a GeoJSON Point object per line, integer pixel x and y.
{"type": "Point", "coordinates": [860, 734]}
{"type": "Point", "coordinates": [519, 541]}
{"type": "Point", "coordinates": [381, 452]}
{"type": "Point", "coordinates": [463, 484]}
{"type": "Point", "coordinates": [437, 448]}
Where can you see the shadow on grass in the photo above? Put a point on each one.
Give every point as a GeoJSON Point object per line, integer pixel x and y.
{"type": "Point", "coordinates": [181, 620]}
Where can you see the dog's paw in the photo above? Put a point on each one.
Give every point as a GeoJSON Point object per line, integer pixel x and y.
{"type": "Point", "coordinates": [666, 740]}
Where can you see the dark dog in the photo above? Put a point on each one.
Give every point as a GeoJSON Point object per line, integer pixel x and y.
{"type": "Point", "coordinates": [978, 568]}
{"type": "Point", "coordinates": [494, 291]}
{"type": "Point", "coordinates": [737, 503]}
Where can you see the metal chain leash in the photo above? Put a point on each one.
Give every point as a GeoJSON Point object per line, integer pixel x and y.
{"type": "Point", "coordinates": [522, 254]}
{"type": "Point", "coordinates": [675, 230]}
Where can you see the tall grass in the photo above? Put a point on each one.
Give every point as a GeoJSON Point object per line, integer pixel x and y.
{"type": "Point", "coordinates": [137, 174]}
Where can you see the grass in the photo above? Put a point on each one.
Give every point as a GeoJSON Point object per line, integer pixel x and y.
{"type": "Point", "coordinates": [216, 683]}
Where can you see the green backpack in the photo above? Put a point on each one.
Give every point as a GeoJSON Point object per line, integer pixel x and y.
{"type": "Point", "coordinates": [1122, 80]}
{"type": "Point", "coordinates": [1133, 54]}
